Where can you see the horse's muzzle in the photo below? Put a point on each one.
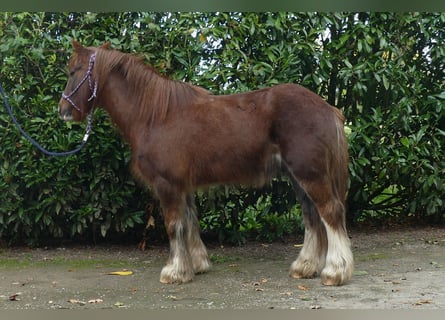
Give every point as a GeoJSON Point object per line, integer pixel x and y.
{"type": "Point", "coordinates": [65, 111]}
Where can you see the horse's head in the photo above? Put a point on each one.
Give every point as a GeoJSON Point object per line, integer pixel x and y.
{"type": "Point", "coordinates": [80, 92]}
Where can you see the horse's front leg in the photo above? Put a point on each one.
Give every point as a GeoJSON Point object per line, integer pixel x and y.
{"type": "Point", "coordinates": [195, 246]}
{"type": "Point", "coordinates": [179, 268]}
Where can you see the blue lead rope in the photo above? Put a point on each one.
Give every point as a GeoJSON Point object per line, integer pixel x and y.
{"type": "Point", "coordinates": [35, 143]}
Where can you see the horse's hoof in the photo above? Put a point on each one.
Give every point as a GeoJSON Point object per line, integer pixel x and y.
{"type": "Point", "coordinates": [202, 267]}
{"type": "Point", "coordinates": [303, 269]}
{"type": "Point", "coordinates": [335, 279]}
{"type": "Point", "coordinates": [170, 275]}
{"type": "Point", "coordinates": [332, 281]}
{"type": "Point", "coordinates": [299, 275]}
{"type": "Point", "coordinates": [167, 280]}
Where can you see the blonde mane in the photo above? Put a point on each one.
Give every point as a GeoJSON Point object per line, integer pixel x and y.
{"type": "Point", "coordinates": [156, 95]}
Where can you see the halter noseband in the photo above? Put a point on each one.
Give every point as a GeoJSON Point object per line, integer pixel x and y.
{"type": "Point", "coordinates": [93, 89]}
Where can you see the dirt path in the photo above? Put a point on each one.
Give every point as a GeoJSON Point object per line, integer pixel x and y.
{"type": "Point", "coordinates": [394, 270]}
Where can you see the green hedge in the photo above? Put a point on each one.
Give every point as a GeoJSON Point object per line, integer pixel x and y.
{"type": "Point", "coordinates": [384, 70]}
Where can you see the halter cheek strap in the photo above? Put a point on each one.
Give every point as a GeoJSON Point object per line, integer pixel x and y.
{"type": "Point", "coordinates": [87, 76]}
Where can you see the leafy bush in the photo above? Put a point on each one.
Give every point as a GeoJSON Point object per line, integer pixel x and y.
{"type": "Point", "coordinates": [384, 70]}
{"type": "Point", "coordinates": [236, 215]}
{"type": "Point", "coordinates": [396, 90]}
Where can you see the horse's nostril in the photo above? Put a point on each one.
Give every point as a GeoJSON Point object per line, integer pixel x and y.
{"type": "Point", "coordinates": [65, 114]}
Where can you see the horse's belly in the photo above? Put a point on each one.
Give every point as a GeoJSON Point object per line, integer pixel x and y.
{"type": "Point", "coordinates": [248, 169]}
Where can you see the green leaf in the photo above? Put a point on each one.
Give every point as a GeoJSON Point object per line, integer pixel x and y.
{"type": "Point", "coordinates": [385, 82]}
{"type": "Point", "coordinates": [441, 95]}
{"type": "Point", "coordinates": [404, 141]}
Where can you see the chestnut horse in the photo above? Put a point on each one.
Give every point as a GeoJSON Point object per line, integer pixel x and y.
{"type": "Point", "coordinates": [182, 138]}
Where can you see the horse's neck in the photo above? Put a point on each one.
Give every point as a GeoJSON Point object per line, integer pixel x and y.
{"type": "Point", "coordinates": [120, 104]}
{"type": "Point", "coordinates": [136, 112]}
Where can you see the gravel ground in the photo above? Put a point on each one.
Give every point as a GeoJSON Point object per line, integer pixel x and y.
{"type": "Point", "coordinates": [394, 269]}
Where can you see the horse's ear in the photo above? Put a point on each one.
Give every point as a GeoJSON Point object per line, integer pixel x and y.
{"type": "Point", "coordinates": [77, 46]}
{"type": "Point", "coordinates": [106, 45]}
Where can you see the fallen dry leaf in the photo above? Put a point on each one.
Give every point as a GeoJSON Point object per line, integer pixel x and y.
{"type": "Point", "coordinates": [94, 301]}
{"type": "Point", "coordinates": [257, 283]}
{"type": "Point", "coordinates": [75, 301]}
{"type": "Point", "coordinates": [298, 245]}
{"type": "Point", "coordinates": [423, 301]}
{"type": "Point", "coordinates": [150, 222]}
{"type": "Point", "coordinates": [303, 288]}
{"type": "Point", "coordinates": [121, 273]}
{"type": "Point", "coordinates": [141, 245]}
{"type": "Point", "coordinates": [120, 305]}
{"type": "Point", "coordinates": [14, 297]}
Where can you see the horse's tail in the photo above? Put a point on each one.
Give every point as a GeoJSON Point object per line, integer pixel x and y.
{"type": "Point", "coordinates": [340, 158]}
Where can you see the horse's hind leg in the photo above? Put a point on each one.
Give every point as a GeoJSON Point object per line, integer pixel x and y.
{"type": "Point", "coordinates": [339, 260]}
{"type": "Point", "coordinates": [312, 257]}
{"type": "Point", "coordinates": [326, 250]}
{"type": "Point", "coordinates": [196, 247]}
